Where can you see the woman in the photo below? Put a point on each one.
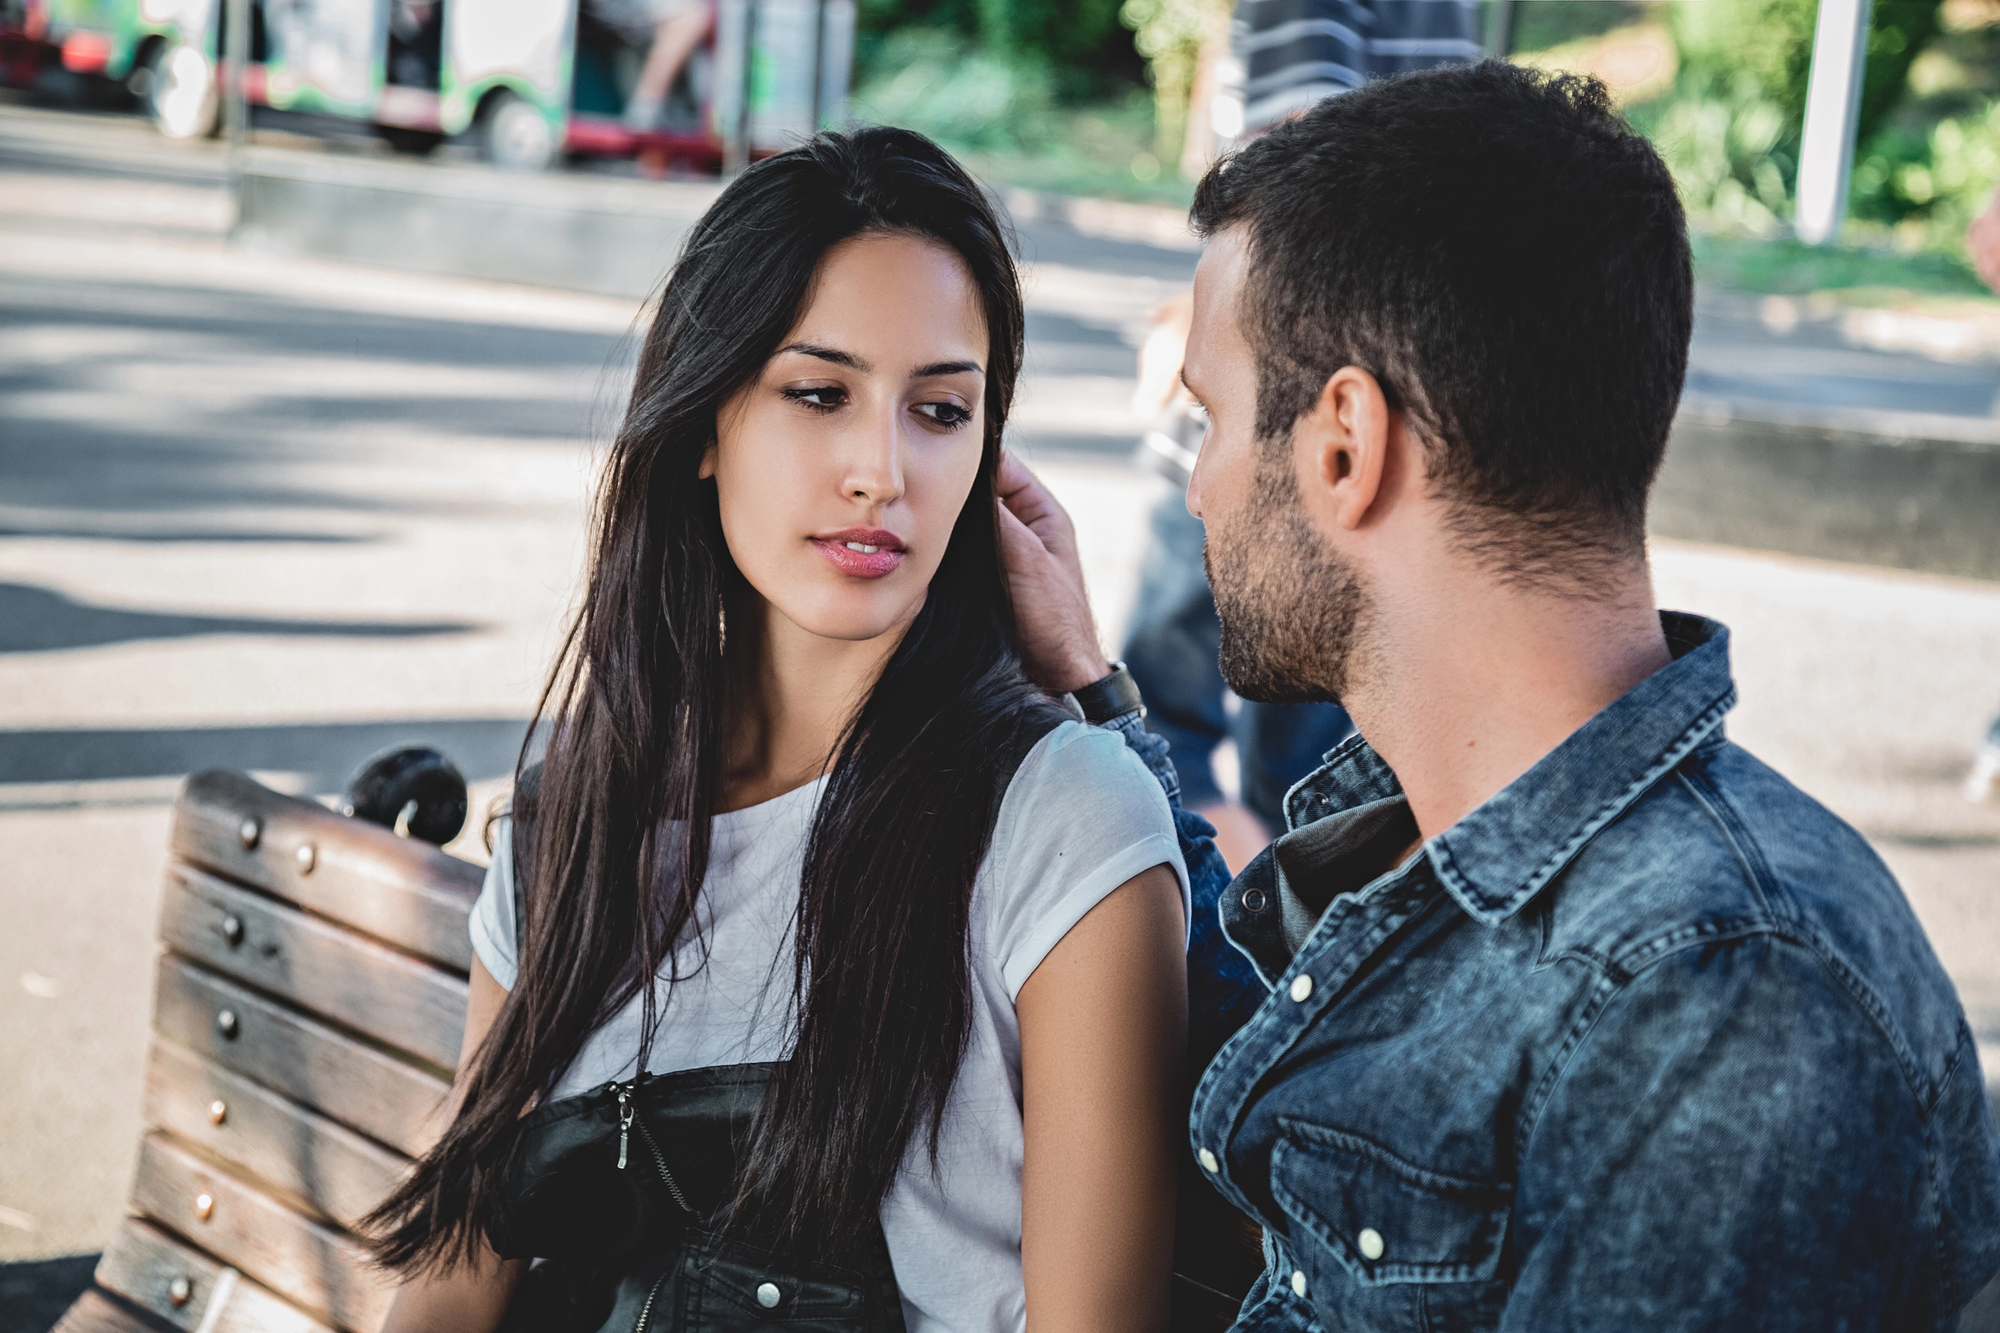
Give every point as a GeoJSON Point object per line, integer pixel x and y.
{"type": "Point", "coordinates": [899, 952]}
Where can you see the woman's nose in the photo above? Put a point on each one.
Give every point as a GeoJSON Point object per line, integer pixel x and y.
{"type": "Point", "coordinates": [874, 460]}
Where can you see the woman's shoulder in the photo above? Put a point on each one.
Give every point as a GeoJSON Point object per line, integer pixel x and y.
{"type": "Point", "coordinates": [1081, 817]}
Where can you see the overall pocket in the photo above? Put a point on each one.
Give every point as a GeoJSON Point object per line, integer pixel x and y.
{"type": "Point", "coordinates": [1384, 1243]}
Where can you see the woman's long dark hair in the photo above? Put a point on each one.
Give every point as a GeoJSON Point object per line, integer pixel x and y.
{"type": "Point", "coordinates": [635, 717]}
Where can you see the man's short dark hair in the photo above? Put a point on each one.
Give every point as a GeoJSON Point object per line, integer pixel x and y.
{"type": "Point", "coordinates": [1510, 261]}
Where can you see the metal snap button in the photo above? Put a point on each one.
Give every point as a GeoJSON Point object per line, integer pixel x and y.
{"type": "Point", "coordinates": [1298, 1284]}
{"type": "Point", "coordinates": [1253, 900]}
{"type": "Point", "coordinates": [768, 1295]}
{"type": "Point", "coordinates": [1369, 1242]}
{"type": "Point", "coordinates": [1208, 1160]}
{"type": "Point", "coordinates": [1302, 988]}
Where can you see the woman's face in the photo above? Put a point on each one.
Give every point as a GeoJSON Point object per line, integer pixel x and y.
{"type": "Point", "coordinates": [842, 468]}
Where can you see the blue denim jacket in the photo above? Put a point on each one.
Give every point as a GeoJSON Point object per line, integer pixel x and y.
{"type": "Point", "coordinates": [1649, 1040]}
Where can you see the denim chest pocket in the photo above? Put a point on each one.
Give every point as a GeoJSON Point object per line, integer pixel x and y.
{"type": "Point", "coordinates": [1385, 1244]}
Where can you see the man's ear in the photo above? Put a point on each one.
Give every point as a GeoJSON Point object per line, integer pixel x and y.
{"type": "Point", "coordinates": [1340, 447]}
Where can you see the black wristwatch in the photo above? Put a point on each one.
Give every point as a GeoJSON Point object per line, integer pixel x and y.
{"type": "Point", "coordinates": [1114, 696]}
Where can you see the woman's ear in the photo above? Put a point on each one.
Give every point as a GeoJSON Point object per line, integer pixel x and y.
{"type": "Point", "coordinates": [707, 468]}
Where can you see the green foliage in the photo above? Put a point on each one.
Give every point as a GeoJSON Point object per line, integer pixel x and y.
{"type": "Point", "coordinates": [1770, 42]}
{"type": "Point", "coordinates": [1170, 34]}
{"type": "Point", "coordinates": [1077, 46]}
{"type": "Point", "coordinates": [1787, 267]}
{"type": "Point", "coordinates": [961, 94]}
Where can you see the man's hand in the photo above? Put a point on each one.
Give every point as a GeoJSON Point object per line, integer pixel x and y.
{"type": "Point", "coordinates": [1038, 553]}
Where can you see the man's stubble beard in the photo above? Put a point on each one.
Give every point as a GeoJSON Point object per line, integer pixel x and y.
{"type": "Point", "coordinates": [1292, 611]}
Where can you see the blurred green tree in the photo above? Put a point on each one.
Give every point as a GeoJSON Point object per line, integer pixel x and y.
{"type": "Point", "coordinates": [1771, 41]}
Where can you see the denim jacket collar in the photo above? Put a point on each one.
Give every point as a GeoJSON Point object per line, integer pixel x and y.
{"type": "Point", "coordinates": [1496, 859]}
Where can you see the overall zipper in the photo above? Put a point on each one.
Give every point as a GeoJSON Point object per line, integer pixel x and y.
{"type": "Point", "coordinates": [646, 1311]}
{"type": "Point", "coordinates": [627, 1113]}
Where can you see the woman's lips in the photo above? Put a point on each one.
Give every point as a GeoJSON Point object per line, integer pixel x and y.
{"type": "Point", "coordinates": [856, 555]}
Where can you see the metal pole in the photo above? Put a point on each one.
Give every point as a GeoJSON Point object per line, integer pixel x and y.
{"type": "Point", "coordinates": [1833, 106]}
{"type": "Point", "coordinates": [235, 96]}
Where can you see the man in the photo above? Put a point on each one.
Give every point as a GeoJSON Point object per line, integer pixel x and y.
{"type": "Point", "coordinates": [1570, 1014]}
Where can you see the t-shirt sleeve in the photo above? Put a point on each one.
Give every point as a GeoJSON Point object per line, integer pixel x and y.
{"type": "Point", "coordinates": [492, 923]}
{"type": "Point", "coordinates": [1081, 817]}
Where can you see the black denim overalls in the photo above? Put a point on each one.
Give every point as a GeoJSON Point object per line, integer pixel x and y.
{"type": "Point", "coordinates": [623, 1191]}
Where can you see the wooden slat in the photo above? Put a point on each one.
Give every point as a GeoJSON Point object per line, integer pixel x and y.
{"type": "Point", "coordinates": [366, 1089]}
{"type": "Point", "coordinates": [300, 1152]}
{"type": "Point", "coordinates": [141, 1265]}
{"type": "Point", "coordinates": [317, 965]}
{"type": "Point", "coordinates": [396, 889]}
{"type": "Point", "coordinates": [316, 1266]}
{"type": "Point", "coordinates": [95, 1312]}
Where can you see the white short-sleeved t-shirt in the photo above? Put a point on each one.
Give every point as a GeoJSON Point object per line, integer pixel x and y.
{"type": "Point", "coordinates": [1081, 817]}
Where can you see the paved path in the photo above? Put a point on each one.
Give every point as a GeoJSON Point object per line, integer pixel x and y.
{"type": "Point", "coordinates": [276, 514]}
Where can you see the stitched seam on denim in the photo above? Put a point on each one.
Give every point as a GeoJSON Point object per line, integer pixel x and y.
{"type": "Point", "coordinates": [1379, 1274]}
{"type": "Point", "coordinates": [1871, 1003]}
{"type": "Point", "coordinates": [1751, 857]}
{"type": "Point", "coordinates": [1448, 870]}
{"type": "Point", "coordinates": [1530, 1118]}
{"type": "Point", "coordinates": [1360, 1145]}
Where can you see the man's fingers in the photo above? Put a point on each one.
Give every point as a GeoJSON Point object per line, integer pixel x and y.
{"type": "Point", "coordinates": [1023, 496]}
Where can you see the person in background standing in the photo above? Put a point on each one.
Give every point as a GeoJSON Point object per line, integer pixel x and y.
{"type": "Point", "coordinates": [1289, 54]}
{"type": "Point", "coordinates": [1982, 244]}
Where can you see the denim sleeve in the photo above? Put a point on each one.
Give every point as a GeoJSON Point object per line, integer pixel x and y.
{"type": "Point", "coordinates": [1733, 1144]}
{"type": "Point", "coordinates": [1223, 987]}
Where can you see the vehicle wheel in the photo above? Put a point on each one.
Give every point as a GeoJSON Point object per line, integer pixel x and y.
{"type": "Point", "coordinates": [181, 94]}
{"type": "Point", "coordinates": [515, 136]}
{"type": "Point", "coordinates": [414, 143]}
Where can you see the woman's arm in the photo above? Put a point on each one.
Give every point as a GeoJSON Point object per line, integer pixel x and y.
{"type": "Point", "coordinates": [470, 1299]}
{"type": "Point", "coordinates": [1103, 1025]}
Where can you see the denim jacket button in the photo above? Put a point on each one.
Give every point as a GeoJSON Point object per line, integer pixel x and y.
{"type": "Point", "coordinates": [1302, 988]}
{"type": "Point", "coordinates": [768, 1295]}
{"type": "Point", "coordinates": [1253, 900]}
{"type": "Point", "coordinates": [1298, 1284]}
{"type": "Point", "coordinates": [1369, 1242]}
{"type": "Point", "coordinates": [1208, 1161]}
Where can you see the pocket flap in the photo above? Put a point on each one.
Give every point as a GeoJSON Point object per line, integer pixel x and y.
{"type": "Point", "coordinates": [1387, 1220]}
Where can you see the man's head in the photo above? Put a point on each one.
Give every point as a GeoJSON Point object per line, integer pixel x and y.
{"type": "Point", "coordinates": [1455, 305]}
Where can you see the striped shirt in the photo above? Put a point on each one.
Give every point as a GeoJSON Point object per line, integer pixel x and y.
{"type": "Point", "coordinates": [1296, 52]}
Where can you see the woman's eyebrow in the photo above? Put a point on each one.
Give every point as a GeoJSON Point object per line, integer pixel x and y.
{"type": "Point", "coordinates": [833, 354]}
{"type": "Point", "coordinates": [947, 368]}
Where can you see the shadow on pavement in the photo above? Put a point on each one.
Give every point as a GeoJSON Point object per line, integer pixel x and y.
{"type": "Point", "coordinates": [324, 753]}
{"type": "Point", "coordinates": [40, 620]}
{"type": "Point", "coordinates": [33, 1295]}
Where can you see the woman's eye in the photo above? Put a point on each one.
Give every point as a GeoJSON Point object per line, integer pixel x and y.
{"type": "Point", "coordinates": [949, 415]}
{"type": "Point", "coordinates": [822, 398]}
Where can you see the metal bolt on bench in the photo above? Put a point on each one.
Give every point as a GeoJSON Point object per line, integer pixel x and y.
{"type": "Point", "coordinates": [307, 1013]}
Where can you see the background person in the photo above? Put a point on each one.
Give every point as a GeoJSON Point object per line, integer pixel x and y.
{"type": "Point", "coordinates": [864, 962]}
{"type": "Point", "coordinates": [1576, 1015]}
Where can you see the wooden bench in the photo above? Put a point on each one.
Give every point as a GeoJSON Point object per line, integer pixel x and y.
{"type": "Point", "coordinates": [306, 1020]}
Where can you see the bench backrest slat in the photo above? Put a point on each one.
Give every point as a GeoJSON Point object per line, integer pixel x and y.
{"type": "Point", "coordinates": [401, 1001]}
{"type": "Point", "coordinates": [142, 1263]}
{"type": "Point", "coordinates": [317, 1161]}
{"type": "Point", "coordinates": [397, 889]}
{"type": "Point", "coordinates": [319, 1267]}
{"type": "Point", "coordinates": [389, 1099]}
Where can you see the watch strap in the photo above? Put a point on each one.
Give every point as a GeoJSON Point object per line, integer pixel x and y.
{"type": "Point", "coordinates": [1113, 696]}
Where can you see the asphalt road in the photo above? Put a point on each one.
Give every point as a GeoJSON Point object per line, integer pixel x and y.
{"type": "Point", "coordinates": [278, 513]}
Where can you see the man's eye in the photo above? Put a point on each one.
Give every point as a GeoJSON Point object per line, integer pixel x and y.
{"type": "Point", "coordinates": [823, 398]}
{"type": "Point", "coordinates": [949, 415]}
